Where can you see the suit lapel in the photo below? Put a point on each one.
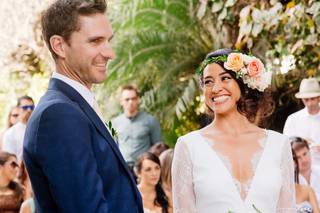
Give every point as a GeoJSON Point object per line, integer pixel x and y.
{"type": "Point", "coordinates": [56, 84]}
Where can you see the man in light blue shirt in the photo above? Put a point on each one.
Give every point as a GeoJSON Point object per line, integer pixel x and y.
{"type": "Point", "coordinates": [137, 130]}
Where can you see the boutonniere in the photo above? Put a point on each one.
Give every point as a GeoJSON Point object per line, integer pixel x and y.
{"type": "Point", "coordinates": [113, 132]}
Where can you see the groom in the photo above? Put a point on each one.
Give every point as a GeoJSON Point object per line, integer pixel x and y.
{"type": "Point", "coordinates": [73, 162]}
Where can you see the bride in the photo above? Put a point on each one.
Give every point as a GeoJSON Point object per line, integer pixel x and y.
{"type": "Point", "coordinates": [232, 165]}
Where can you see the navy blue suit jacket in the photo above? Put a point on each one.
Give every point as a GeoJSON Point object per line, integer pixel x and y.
{"type": "Point", "coordinates": [73, 162]}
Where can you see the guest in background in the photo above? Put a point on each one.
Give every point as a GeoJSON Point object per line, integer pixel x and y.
{"type": "Point", "coordinates": [24, 180]}
{"type": "Point", "coordinates": [12, 119]}
{"type": "Point", "coordinates": [158, 148]}
{"type": "Point", "coordinates": [13, 116]}
{"type": "Point", "coordinates": [13, 137]}
{"type": "Point", "coordinates": [11, 193]}
{"type": "Point", "coordinates": [137, 130]}
{"type": "Point", "coordinates": [305, 197]}
{"type": "Point", "coordinates": [308, 173]}
{"type": "Point", "coordinates": [148, 171]}
{"type": "Point", "coordinates": [305, 123]}
{"type": "Point", "coordinates": [166, 164]}
{"type": "Point", "coordinates": [28, 205]}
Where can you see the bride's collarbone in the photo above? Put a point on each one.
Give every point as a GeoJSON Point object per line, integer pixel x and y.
{"type": "Point", "coordinates": [234, 138]}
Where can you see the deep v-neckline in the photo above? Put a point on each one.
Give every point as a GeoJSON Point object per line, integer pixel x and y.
{"type": "Point", "coordinates": [228, 173]}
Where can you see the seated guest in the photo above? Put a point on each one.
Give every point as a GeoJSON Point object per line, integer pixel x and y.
{"type": "Point", "coordinates": [305, 197]}
{"type": "Point", "coordinates": [158, 148]}
{"type": "Point", "coordinates": [166, 164]}
{"type": "Point", "coordinates": [148, 171]}
{"type": "Point", "coordinates": [28, 205]}
{"type": "Point", "coordinates": [12, 119]}
{"type": "Point", "coordinates": [11, 193]}
{"type": "Point", "coordinates": [308, 173]}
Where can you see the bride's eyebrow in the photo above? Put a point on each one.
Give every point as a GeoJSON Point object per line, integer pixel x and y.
{"type": "Point", "coordinates": [208, 77]}
{"type": "Point", "coordinates": [223, 73]}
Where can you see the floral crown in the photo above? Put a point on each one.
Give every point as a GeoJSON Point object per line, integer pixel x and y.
{"type": "Point", "coordinates": [249, 68]}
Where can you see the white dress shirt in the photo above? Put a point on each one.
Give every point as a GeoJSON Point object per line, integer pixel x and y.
{"type": "Point", "coordinates": [80, 88]}
{"type": "Point", "coordinates": [83, 91]}
{"type": "Point", "coordinates": [314, 181]}
{"type": "Point", "coordinates": [303, 125]}
{"type": "Point", "coordinates": [13, 140]}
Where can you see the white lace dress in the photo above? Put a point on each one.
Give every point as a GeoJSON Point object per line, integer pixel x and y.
{"type": "Point", "coordinates": [203, 181]}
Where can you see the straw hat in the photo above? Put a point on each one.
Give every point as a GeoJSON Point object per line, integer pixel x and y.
{"type": "Point", "coordinates": [309, 88]}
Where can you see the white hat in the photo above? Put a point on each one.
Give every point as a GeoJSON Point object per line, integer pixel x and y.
{"type": "Point", "coordinates": [309, 88]}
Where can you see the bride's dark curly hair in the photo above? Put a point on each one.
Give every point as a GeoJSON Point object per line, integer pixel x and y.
{"type": "Point", "coordinates": [253, 104]}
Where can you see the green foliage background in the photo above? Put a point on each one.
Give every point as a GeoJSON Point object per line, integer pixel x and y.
{"type": "Point", "coordinates": [159, 44]}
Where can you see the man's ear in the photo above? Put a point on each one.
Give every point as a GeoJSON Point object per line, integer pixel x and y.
{"type": "Point", "coordinates": [57, 44]}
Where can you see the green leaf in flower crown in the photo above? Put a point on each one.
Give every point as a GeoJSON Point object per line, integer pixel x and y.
{"type": "Point", "coordinates": [221, 58]}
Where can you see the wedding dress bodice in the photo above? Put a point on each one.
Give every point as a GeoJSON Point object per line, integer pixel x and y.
{"type": "Point", "coordinates": [203, 180]}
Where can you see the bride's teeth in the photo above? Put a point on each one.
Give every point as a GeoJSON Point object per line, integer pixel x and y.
{"type": "Point", "coordinates": [220, 98]}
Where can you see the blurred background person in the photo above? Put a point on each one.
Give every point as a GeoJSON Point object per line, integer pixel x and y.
{"type": "Point", "coordinates": [309, 174]}
{"type": "Point", "coordinates": [166, 179]}
{"type": "Point", "coordinates": [158, 148]}
{"type": "Point", "coordinates": [137, 130]}
{"type": "Point", "coordinates": [12, 119]}
{"type": "Point", "coordinates": [305, 197]}
{"type": "Point", "coordinates": [11, 193]}
{"type": "Point", "coordinates": [148, 171]}
{"type": "Point", "coordinates": [28, 205]}
{"type": "Point", "coordinates": [305, 123]}
{"type": "Point", "coordinates": [24, 181]}
{"type": "Point", "coordinates": [13, 137]}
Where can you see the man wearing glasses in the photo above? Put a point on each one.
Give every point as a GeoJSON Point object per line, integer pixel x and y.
{"type": "Point", "coordinates": [13, 137]}
{"type": "Point", "coordinates": [137, 130]}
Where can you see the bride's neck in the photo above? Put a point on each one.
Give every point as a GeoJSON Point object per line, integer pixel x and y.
{"type": "Point", "coordinates": [232, 123]}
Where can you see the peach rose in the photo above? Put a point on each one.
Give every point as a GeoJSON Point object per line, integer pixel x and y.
{"type": "Point", "coordinates": [255, 67]}
{"type": "Point", "coordinates": [234, 62]}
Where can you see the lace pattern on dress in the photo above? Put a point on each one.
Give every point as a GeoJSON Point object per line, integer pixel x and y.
{"type": "Point", "coordinates": [287, 198]}
{"type": "Point", "coordinates": [242, 187]}
{"type": "Point", "coordinates": [184, 199]}
{"type": "Point", "coordinates": [182, 183]}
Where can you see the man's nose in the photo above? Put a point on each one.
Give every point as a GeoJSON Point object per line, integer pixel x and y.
{"type": "Point", "coordinates": [108, 52]}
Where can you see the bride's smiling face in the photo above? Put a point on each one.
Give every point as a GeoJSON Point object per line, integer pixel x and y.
{"type": "Point", "coordinates": [220, 89]}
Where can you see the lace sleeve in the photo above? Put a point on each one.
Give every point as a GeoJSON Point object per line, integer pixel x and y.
{"type": "Point", "coordinates": [287, 200]}
{"type": "Point", "coordinates": [182, 186]}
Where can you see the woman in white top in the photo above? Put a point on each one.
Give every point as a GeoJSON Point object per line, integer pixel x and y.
{"type": "Point", "coordinates": [305, 197]}
{"type": "Point", "coordinates": [232, 165]}
{"type": "Point", "coordinates": [148, 171]}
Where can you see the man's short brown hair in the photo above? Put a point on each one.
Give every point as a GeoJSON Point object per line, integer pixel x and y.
{"type": "Point", "coordinates": [130, 87]}
{"type": "Point", "coordinates": [62, 18]}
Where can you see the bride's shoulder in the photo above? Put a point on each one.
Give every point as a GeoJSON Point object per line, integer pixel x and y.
{"type": "Point", "coordinates": [190, 137]}
{"type": "Point", "coordinates": [276, 137]}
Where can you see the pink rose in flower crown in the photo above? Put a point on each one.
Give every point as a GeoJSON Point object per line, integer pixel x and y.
{"type": "Point", "coordinates": [255, 67]}
{"type": "Point", "coordinates": [234, 62]}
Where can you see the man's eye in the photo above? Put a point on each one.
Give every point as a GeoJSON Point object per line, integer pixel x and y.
{"type": "Point", "coordinates": [95, 41]}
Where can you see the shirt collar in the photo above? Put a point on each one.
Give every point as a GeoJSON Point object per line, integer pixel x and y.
{"type": "Point", "coordinates": [81, 89]}
{"type": "Point", "coordinates": [308, 114]}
